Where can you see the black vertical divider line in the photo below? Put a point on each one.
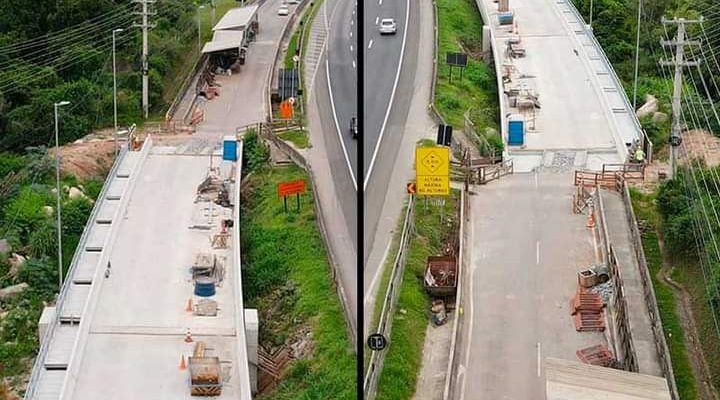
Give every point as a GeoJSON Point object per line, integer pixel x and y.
{"type": "Point", "coordinates": [360, 23]}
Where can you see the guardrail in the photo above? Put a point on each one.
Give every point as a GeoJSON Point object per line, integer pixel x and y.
{"type": "Point", "coordinates": [202, 60]}
{"type": "Point", "coordinates": [374, 367]}
{"type": "Point", "coordinates": [649, 292]}
{"type": "Point", "coordinates": [433, 110]}
{"type": "Point", "coordinates": [242, 352]}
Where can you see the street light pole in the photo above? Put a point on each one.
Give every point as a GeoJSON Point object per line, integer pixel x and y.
{"type": "Point", "coordinates": [57, 195]}
{"type": "Point", "coordinates": [115, 90]}
{"type": "Point", "coordinates": [199, 31]}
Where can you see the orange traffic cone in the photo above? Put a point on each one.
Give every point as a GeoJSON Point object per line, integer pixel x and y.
{"type": "Point", "coordinates": [182, 362]}
{"type": "Point", "coordinates": [188, 337]}
{"type": "Point", "coordinates": [189, 306]}
{"type": "Point", "coordinates": [591, 219]}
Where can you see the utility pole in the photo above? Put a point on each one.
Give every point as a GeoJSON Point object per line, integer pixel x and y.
{"type": "Point", "coordinates": [679, 62]}
{"type": "Point", "coordinates": [115, 132]}
{"type": "Point", "coordinates": [145, 26]}
{"type": "Point", "coordinates": [58, 194]}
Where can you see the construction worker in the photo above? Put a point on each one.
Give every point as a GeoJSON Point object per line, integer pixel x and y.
{"type": "Point", "coordinates": [639, 155]}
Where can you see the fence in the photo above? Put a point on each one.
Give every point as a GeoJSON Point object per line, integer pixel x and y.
{"type": "Point", "coordinates": [374, 367]}
{"type": "Point", "coordinates": [649, 292]}
{"type": "Point", "coordinates": [623, 345]}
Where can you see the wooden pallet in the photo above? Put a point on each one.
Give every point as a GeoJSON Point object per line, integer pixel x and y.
{"type": "Point", "coordinates": [589, 322]}
{"type": "Point", "coordinates": [596, 355]}
{"type": "Point", "coordinates": [585, 301]}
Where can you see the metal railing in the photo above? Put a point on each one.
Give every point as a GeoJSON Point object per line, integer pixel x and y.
{"type": "Point", "coordinates": [374, 367]}
{"type": "Point", "coordinates": [649, 292]}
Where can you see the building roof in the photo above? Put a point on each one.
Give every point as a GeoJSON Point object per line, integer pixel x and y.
{"type": "Point", "coordinates": [572, 380]}
{"type": "Point", "coordinates": [237, 18]}
{"type": "Point", "coordinates": [224, 40]}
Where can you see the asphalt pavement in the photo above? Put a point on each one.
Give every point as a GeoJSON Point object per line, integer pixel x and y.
{"type": "Point", "coordinates": [341, 70]}
{"type": "Point", "coordinates": [526, 247]}
{"type": "Point", "coordinates": [332, 99]}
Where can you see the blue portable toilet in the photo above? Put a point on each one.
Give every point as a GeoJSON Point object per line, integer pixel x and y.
{"type": "Point", "coordinates": [516, 130]}
{"type": "Point", "coordinates": [230, 148]}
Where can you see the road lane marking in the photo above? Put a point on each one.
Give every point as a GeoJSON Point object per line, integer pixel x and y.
{"type": "Point", "coordinates": [392, 96]}
{"type": "Point", "coordinates": [537, 252]}
{"type": "Point", "coordinates": [539, 358]}
{"type": "Point", "coordinates": [337, 124]}
{"type": "Point", "coordinates": [380, 2]}
{"type": "Point", "coordinates": [377, 19]}
{"type": "Point", "coordinates": [470, 319]}
{"type": "Point", "coordinates": [353, 63]}
{"type": "Point", "coordinates": [351, 48]}
{"type": "Point", "coordinates": [370, 44]}
{"type": "Point", "coordinates": [352, 22]}
{"type": "Point", "coordinates": [350, 33]}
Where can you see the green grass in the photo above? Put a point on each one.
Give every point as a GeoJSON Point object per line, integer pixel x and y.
{"type": "Point", "coordinates": [460, 22]}
{"type": "Point", "coordinates": [404, 357]}
{"type": "Point", "coordinates": [292, 46]}
{"type": "Point", "coordinates": [287, 276]}
{"type": "Point", "coordinates": [299, 138]}
{"type": "Point", "coordinates": [685, 379]}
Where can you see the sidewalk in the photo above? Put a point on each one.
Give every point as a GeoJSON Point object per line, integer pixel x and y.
{"type": "Point", "coordinates": [619, 233]}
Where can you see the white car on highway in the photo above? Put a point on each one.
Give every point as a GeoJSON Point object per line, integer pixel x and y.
{"type": "Point", "coordinates": [388, 26]}
{"type": "Point", "coordinates": [284, 10]}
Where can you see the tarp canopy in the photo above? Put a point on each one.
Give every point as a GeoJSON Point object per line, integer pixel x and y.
{"type": "Point", "coordinates": [237, 18]}
{"type": "Point", "coordinates": [572, 380]}
{"type": "Point", "coordinates": [224, 40]}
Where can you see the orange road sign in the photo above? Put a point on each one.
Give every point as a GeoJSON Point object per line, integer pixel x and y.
{"type": "Point", "coordinates": [292, 187]}
{"type": "Point", "coordinates": [410, 187]}
{"type": "Point", "coordinates": [286, 110]}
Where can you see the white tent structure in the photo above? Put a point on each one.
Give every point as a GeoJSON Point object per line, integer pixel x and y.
{"type": "Point", "coordinates": [230, 32]}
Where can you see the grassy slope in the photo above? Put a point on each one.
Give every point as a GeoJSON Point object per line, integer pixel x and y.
{"type": "Point", "coordinates": [283, 250]}
{"type": "Point", "coordinates": [460, 22]}
{"type": "Point", "coordinates": [667, 304]}
{"type": "Point", "coordinates": [404, 357]}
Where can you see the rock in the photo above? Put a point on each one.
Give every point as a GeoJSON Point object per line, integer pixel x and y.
{"type": "Point", "coordinates": [13, 290]}
{"type": "Point", "coordinates": [76, 193]}
{"type": "Point", "coordinates": [48, 210]}
{"type": "Point", "coordinates": [16, 260]}
{"type": "Point", "coordinates": [650, 107]}
{"type": "Point", "coordinates": [659, 117]}
{"type": "Point", "coordinates": [5, 246]}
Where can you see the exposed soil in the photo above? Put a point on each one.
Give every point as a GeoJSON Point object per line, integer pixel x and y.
{"type": "Point", "coordinates": [89, 157]}
{"type": "Point", "coordinates": [700, 144]}
{"type": "Point", "coordinates": [697, 357]}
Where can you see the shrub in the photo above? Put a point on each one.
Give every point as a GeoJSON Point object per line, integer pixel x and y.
{"type": "Point", "coordinates": [255, 153]}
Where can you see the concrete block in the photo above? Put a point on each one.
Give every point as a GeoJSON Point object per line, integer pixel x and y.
{"type": "Point", "coordinates": [252, 330]}
{"type": "Point", "coordinates": [46, 318]}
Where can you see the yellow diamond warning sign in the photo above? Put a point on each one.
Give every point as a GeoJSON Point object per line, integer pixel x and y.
{"type": "Point", "coordinates": [432, 170]}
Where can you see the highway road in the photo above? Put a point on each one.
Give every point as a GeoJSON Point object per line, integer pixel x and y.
{"type": "Point", "coordinates": [389, 88]}
{"type": "Point", "coordinates": [333, 101]}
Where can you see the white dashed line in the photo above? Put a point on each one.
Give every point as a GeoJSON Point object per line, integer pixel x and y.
{"type": "Point", "coordinates": [370, 44]}
{"type": "Point", "coordinates": [377, 19]}
{"type": "Point", "coordinates": [353, 64]}
{"type": "Point", "coordinates": [350, 33]}
{"type": "Point", "coordinates": [351, 48]}
{"type": "Point", "coordinates": [380, 2]}
{"type": "Point", "coordinates": [537, 252]}
{"type": "Point", "coordinates": [539, 360]}
{"type": "Point", "coordinates": [352, 22]}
